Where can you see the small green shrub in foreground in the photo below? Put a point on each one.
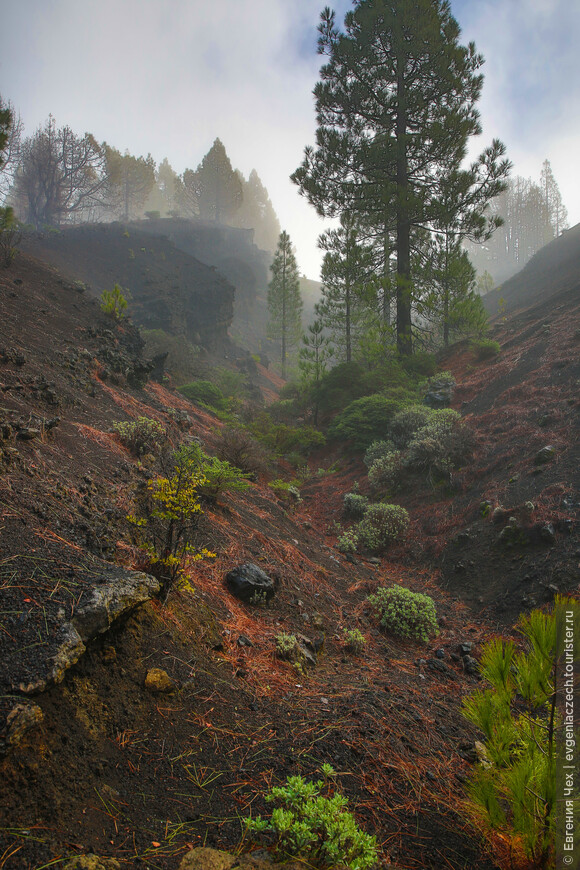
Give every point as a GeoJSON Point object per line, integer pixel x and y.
{"type": "Point", "coordinates": [312, 827]}
{"type": "Point", "coordinates": [355, 504]}
{"type": "Point", "coordinates": [348, 542]}
{"type": "Point", "coordinates": [381, 525]}
{"type": "Point", "coordinates": [140, 436]}
{"type": "Point", "coordinates": [404, 613]}
{"type": "Point", "coordinates": [354, 640]}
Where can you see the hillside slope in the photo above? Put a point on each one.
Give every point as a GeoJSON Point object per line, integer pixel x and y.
{"type": "Point", "coordinates": [93, 760]}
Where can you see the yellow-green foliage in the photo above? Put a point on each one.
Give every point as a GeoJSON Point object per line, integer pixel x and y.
{"type": "Point", "coordinates": [113, 302]}
{"type": "Point", "coordinates": [172, 518]}
{"type": "Point", "coordinates": [404, 613]}
{"type": "Point", "coordinates": [140, 436]}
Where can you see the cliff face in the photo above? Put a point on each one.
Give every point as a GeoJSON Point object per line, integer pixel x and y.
{"type": "Point", "coordinates": [169, 288]}
{"type": "Point", "coordinates": [232, 252]}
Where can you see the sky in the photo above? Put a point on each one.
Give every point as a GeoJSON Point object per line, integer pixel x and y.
{"type": "Point", "coordinates": [168, 77]}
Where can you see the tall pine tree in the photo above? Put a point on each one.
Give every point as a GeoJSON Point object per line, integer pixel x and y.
{"type": "Point", "coordinates": [346, 269]}
{"type": "Point", "coordinates": [396, 106]}
{"type": "Point", "coordinates": [284, 300]}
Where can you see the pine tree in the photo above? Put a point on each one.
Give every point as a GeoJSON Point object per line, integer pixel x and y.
{"type": "Point", "coordinates": [315, 353]}
{"type": "Point", "coordinates": [345, 275]}
{"type": "Point", "coordinates": [257, 212]}
{"type": "Point", "coordinates": [219, 187]}
{"type": "Point", "coordinates": [514, 788]}
{"type": "Point", "coordinates": [130, 181]}
{"type": "Point", "coordinates": [284, 300]}
{"type": "Point", "coordinates": [450, 303]}
{"type": "Point", "coordinates": [396, 106]}
{"type": "Point", "coordinates": [553, 199]}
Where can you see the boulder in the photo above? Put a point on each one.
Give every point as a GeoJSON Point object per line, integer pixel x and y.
{"type": "Point", "coordinates": [159, 682]}
{"type": "Point", "coordinates": [546, 454]}
{"type": "Point", "coordinates": [249, 583]}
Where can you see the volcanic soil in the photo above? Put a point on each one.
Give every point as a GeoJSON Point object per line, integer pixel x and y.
{"type": "Point", "coordinates": [93, 761]}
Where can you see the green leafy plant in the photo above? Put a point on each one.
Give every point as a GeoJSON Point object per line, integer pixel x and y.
{"type": "Point", "coordinates": [140, 436]}
{"type": "Point", "coordinates": [203, 392]}
{"type": "Point", "coordinates": [286, 645]}
{"type": "Point", "coordinates": [514, 789]}
{"type": "Point", "coordinates": [354, 640]}
{"type": "Point", "coordinates": [406, 423]}
{"type": "Point", "coordinates": [355, 504]}
{"type": "Point", "coordinates": [440, 446]}
{"type": "Point", "coordinates": [114, 303]}
{"type": "Point", "coordinates": [367, 419]}
{"type": "Point", "coordinates": [348, 542]}
{"type": "Point", "coordinates": [171, 518]}
{"type": "Point", "coordinates": [381, 525]}
{"type": "Point", "coordinates": [314, 827]}
{"type": "Point", "coordinates": [386, 472]}
{"type": "Point", "coordinates": [286, 491]}
{"type": "Point", "coordinates": [377, 450]}
{"type": "Point", "coordinates": [404, 613]}
{"type": "Point", "coordinates": [219, 475]}
{"type": "Point", "coordinates": [485, 348]}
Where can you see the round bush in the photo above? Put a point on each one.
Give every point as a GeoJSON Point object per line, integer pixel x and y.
{"type": "Point", "coordinates": [404, 613]}
{"type": "Point", "coordinates": [355, 504]}
{"type": "Point", "coordinates": [204, 392]}
{"type": "Point", "coordinates": [377, 450]}
{"type": "Point", "coordinates": [407, 422]}
{"type": "Point", "coordinates": [381, 525]}
{"type": "Point", "coordinates": [386, 472]}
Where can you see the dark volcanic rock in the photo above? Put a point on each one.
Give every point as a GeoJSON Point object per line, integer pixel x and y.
{"type": "Point", "coordinates": [249, 583]}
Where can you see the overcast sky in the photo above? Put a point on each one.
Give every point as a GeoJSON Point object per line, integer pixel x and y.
{"type": "Point", "coordinates": [169, 76]}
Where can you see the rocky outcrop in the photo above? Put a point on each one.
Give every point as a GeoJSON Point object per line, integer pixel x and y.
{"type": "Point", "coordinates": [121, 591]}
{"type": "Point", "coordinates": [170, 289]}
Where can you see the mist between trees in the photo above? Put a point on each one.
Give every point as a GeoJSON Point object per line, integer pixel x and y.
{"type": "Point", "coordinates": [420, 234]}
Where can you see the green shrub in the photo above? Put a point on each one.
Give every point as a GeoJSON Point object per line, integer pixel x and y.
{"type": "Point", "coordinates": [420, 364]}
{"type": "Point", "coordinates": [286, 646]}
{"type": "Point", "coordinates": [407, 422]}
{"type": "Point", "coordinates": [204, 393]}
{"type": "Point", "coordinates": [485, 348]}
{"type": "Point", "coordinates": [386, 472]}
{"type": "Point", "coordinates": [286, 491]}
{"type": "Point", "coordinates": [171, 519]}
{"type": "Point", "coordinates": [440, 446]}
{"type": "Point", "coordinates": [283, 439]}
{"type": "Point", "coordinates": [340, 386]}
{"type": "Point", "coordinates": [367, 419]}
{"type": "Point", "coordinates": [381, 525]}
{"type": "Point", "coordinates": [404, 613]}
{"type": "Point", "coordinates": [140, 436]}
{"type": "Point", "coordinates": [377, 450]}
{"type": "Point", "coordinates": [239, 447]}
{"type": "Point", "coordinates": [315, 829]}
{"type": "Point", "coordinates": [355, 504]}
{"type": "Point", "coordinates": [113, 302]}
{"type": "Point", "coordinates": [348, 542]}
{"type": "Point", "coordinates": [354, 640]}
{"type": "Point", "coordinates": [219, 475]}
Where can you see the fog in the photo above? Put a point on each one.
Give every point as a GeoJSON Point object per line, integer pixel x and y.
{"type": "Point", "coordinates": [169, 76]}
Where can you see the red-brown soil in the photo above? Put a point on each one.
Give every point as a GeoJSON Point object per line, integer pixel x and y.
{"type": "Point", "coordinates": [114, 769]}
